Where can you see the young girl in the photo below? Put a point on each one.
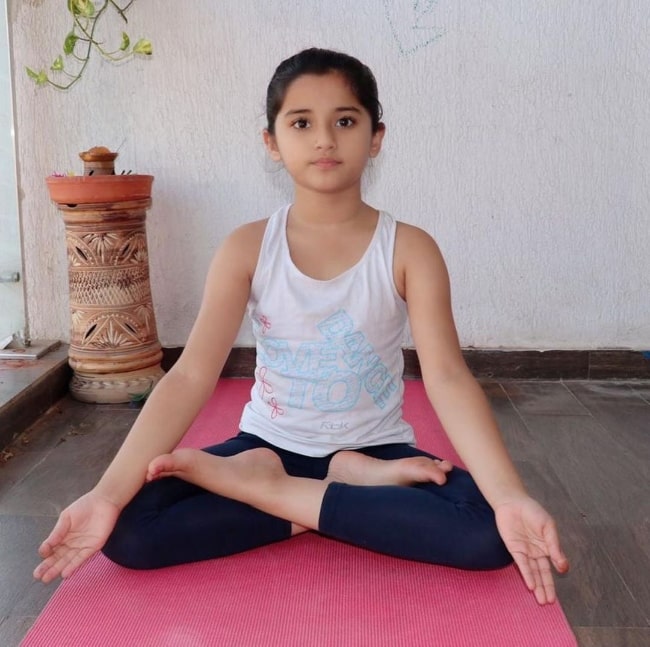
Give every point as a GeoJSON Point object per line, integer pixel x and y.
{"type": "Point", "coordinates": [328, 283]}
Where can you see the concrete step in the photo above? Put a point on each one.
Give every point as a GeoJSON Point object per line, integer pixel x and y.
{"type": "Point", "coordinates": [28, 388]}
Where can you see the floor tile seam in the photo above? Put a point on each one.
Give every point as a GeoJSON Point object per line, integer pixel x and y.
{"type": "Point", "coordinates": [558, 475]}
{"type": "Point", "coordinates": [638, 393]}
{"type": "Point", "coordinates": [592, 522]}
{"type": "Point", "coordinates": [643, 612]}
{"type": "Point", "coordinates": [633, 627]}
{"type": "Point", "coordinates": [23, 477]}
{"type": "Point", "coordinates": [518, 414]}
{"type": "Point", "coordinates": [31, 515]}
{"type": "Point", "coordinates": [16, 616]}
{"type": "Point", "coordinates": [521, 413]}
{"type": "Point", "coordinates": [613, 398]}
{"type": "Point", "coordinates": [508, 397]}
{"type": "Point", "coordinates": [575, 397]}
{"type": "Point", "coordinates": [611, 435]}
{"type": "Point", "coordinates": [573, 508]}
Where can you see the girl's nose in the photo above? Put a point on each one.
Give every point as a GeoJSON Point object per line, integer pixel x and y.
{"type": "Point", "coordinates": [325, 139]}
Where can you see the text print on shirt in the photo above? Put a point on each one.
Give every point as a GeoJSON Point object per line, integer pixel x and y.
{"type": "Point", "coordinates": [331, 372]}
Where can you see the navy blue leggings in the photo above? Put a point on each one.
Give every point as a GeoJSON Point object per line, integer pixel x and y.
{"type": "Point", "coordinates": [173, 522]}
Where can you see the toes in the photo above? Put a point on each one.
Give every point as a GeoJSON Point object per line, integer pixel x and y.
{"type": "Point", "coordinates": [160, 466]}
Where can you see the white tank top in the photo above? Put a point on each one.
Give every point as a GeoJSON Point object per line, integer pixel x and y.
{"type": "Point", "coordinates": [329, 353]}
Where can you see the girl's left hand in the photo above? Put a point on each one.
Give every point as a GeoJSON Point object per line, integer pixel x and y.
{"type": "Point", "coordinates": [529, 533]}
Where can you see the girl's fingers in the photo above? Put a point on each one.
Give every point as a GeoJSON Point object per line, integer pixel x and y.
{"type": "Point", "coordinates": [537, 576]}
{"type": "Point", "coordinates": [547, 579]}
{"type": "Point", "coordinates": [76, 561]}
{"type": "Point", "coordinates": [555, 552]}
{"type": "Point", "coordinates": [525, 570]}
{"type": "Point", "coordinates": [56, 537]}
{"type": "Point", "coordinates": [560, 562]}
{"type": "Point", "coordinates": [45, 550]}
{"type": "Point", "coordinates": [49, 569]}
{"type": "Point", "coordinates": [63, 563]}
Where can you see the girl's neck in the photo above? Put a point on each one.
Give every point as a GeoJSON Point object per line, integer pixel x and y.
{"type": "Point", "coordinates": [323, 209]}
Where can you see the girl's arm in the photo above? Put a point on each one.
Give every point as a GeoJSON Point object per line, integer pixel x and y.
{"type": "Point", "coordinates": [464, 411]}
{"type": "Point", "coordinates": [180, 394]}
{"type": "Point", "coordinates": [454, 393]}
{"type": "Point", "coordinates": [84, 526]}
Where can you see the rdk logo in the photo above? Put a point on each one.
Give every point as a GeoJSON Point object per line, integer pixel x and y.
{"type": "Point", "coordinates": [334, 426]}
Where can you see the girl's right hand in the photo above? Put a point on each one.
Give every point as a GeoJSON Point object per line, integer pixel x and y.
{"type": "Point", "coordinates": [82, 530]}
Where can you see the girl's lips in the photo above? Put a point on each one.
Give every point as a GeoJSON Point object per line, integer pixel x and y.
{"type": "Point", "coordinates": [326, 163]}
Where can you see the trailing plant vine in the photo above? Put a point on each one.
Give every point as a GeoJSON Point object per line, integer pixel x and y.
{"type": "Point", "coordinates": [81, 41]}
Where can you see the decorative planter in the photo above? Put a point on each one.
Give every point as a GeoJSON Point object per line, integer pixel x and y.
{"type": "Point", "coordinates": [114, 349]}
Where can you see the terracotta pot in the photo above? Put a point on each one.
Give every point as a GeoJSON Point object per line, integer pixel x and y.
{"type": "Point", "coordinates": [114, 349]}
{"type": "Point", "coordinates": [91, 189]}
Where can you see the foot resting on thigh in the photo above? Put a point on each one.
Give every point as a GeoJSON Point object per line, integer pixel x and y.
{"type": "Point", "coordinates": [255, 477]}
{"type": "Point", "coordinates": [223, 475]}
{"type": "Point", "coordinates": [355, 468]}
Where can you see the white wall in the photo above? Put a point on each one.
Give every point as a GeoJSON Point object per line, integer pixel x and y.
{"type": "Point", "coordinates": [518, 135]}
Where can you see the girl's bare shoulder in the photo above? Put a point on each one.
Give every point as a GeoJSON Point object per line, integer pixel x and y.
{"type": "Point", "coordinates": [241, 247]}
{"type": "Point", "coordinates": [249, 234]}
{"type": "Point", "coordinates": [408, 235]}
{"type": "Point", "coordinates": [416, 248]}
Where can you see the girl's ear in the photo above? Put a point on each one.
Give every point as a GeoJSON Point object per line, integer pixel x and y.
{"type": "Point", "coordinates": [377, 139]}
{"type": "Point", "coordinates": [271, 146]}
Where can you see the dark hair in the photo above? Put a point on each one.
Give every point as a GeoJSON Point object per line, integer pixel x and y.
{"type": "Point", "coordinates": [323, 61]}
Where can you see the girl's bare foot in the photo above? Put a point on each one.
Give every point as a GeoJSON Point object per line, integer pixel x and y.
{"type": "Point", "coordinates": [355, 468]}
{"type": "Point", "coordinates": [255, 477]}
{"type": "Point", "coordinates": [191, 465]}
{"type": "Point", "coordinates": [201, 468]}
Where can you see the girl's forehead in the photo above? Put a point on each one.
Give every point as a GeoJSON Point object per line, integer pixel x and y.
{"type": "Point", "coordinates": [319, 88]}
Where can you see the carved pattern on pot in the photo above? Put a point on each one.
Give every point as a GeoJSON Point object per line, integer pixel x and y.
{"type": "Point", "coordinates": [135, 385]}
{"type": "Point", "coordinates": [114, 336]}
{"type": "Point", "coordinates": [113, 388]}
{"type": "Point", "coordinates": [107, 248]}
{"type": "Point", "coordinates": [112, 330]}
{"type": "Point", "coordinates": [108, 287]}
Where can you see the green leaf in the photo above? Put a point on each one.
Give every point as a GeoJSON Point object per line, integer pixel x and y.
{"type": "Point", "coordinates": [84, 8]}
{"type": "Point", "coordinates": [143, 46]}
{"type": "Point", "coordinates": [88, 8]}
{"type": "Point", "coordinates": [57, 66]}
{"type": "Point", "coordinates": [69, 43]}
{"type": "Point", "coordinates": [40, 78]}
{"type": "Point", "coordinates": [126, 41]}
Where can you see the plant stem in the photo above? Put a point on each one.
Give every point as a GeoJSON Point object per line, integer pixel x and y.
{"type": "Point", "coordinates": [84, 40]}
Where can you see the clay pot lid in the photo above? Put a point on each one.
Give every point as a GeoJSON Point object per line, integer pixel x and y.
{"type": "Point", "coordinates": [98, 154]}
{"type": "Point", "coordinates": [98, 189]}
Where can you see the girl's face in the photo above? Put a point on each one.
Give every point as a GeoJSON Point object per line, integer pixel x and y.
{"type": "Point", "coordinates": [323, 135]}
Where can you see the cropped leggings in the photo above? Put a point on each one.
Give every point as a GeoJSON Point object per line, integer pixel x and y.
{"type": "Point", "coordinates": [173, 522]}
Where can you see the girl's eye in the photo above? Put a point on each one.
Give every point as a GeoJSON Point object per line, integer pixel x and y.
{"type": "Point", "coordinates": [345, 122]}
{"type": "Point", "coordinates": [300, 124]}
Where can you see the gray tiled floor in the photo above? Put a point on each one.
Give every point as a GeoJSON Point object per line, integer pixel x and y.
{"type": "Point", "coordinates": [582, 447]}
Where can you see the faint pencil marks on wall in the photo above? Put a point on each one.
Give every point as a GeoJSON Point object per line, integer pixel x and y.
{"type": "Point", "coordinates": [412, 23]}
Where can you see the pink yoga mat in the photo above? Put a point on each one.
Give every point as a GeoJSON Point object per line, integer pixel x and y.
{"type": "Point", "coordinates": [308, 591]}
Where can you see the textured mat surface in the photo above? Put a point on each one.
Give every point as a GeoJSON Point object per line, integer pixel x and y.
{"type": "Point", "coordinates": [306, 592]}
